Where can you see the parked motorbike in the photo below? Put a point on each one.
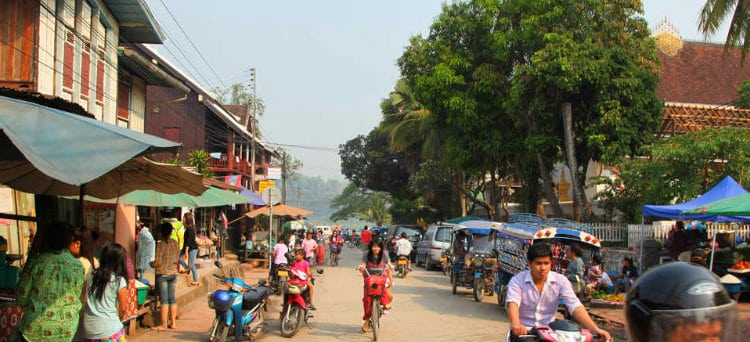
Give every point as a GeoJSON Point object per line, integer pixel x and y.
{"type": "Point", "coordinates": [296, 297]}
{"type": "Point", "coordinates": [561, 330]}
{"type": "Point", "coordinates": [279, 278]}
{"type": "Point", "coordinates": [238, 308]}
{"type": "Point", "coordinates": [375, 285]}
{"type": "Point", "coordinates": [401, 266]}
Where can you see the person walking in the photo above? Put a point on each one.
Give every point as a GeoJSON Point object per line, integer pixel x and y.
{"type": "Point", "coordinates": [165, 265]}
{"type": "Point", "coordinates": [106, 297]}
{"type": "Point", "coordinates": [309, 246]}
{"type": "Point", "coordinates": [190, 250]}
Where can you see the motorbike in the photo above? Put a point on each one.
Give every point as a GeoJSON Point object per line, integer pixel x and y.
{"type": "Point", "coordinates": [279, 278]}
{"type": "Point", "coordinates": [238, 309]}
{"type": "Point", "coordinates": [561, 330]}
{"type": "Point", "coordinates": [296, 309]}
{"type": "Point", "coordinates": [375, 285]}
{"type": "Point", "coordinates": [484, 275]}
{"type": "Point", "coordinates": [401, 266]}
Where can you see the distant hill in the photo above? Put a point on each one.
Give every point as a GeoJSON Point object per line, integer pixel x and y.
{"type": "Point", "coordinates": [315, 194]}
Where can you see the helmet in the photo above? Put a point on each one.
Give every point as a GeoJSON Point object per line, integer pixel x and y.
{"type": "Point", "coordinates": [222, 300]}
{"type": "Point", "coordinates": [679, 301]}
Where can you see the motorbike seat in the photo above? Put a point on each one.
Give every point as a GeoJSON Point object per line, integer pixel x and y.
{"type": "Point", "coordinates": [253, 297]}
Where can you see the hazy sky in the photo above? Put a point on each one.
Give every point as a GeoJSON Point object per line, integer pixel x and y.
{"type": "Point", "coordinates": [323, 66]}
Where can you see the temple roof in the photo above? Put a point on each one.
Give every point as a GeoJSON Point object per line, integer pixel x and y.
{"type": "Point", "coordinates": [684, 118]}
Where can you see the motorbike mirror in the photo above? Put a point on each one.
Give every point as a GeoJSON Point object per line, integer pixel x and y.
{"type": "Point", "coordinates": [217, 263]}
{"type": "Point", "coordinates": [320, 271]}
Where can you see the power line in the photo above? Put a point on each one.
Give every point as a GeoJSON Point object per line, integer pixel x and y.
{"type": "Point", "coordinates": [192, 44]}
{"type": "Point", "coordinates": [315, 148]}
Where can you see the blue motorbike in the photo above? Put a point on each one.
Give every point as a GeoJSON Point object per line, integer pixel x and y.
{"type": "Point", "coordinates": [239, 308]}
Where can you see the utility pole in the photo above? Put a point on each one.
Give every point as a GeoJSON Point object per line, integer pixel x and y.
{"type": "Point", "coordinates": [252, 130]}
{"type": "Point", "coordinates": [283, 177]}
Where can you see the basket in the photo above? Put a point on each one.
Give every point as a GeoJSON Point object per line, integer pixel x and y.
{"type": "Point", "coordinates": [375, 285]}
{"type": "Point", "coordinates": [142, 292]}
{"type": "Point", "coordinates": [733, 288]}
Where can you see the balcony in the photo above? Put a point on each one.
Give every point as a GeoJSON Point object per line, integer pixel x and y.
{"type": "Point", "coordinates": [242, 166]}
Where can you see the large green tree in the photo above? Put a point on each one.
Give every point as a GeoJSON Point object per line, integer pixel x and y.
{"type": "Point", "coordinates": [366, 205]}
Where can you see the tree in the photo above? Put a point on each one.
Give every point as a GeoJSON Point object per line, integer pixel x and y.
{"type": "Point", "coordinates": [677, 169]}
{"type": "Point", "coordinates": [365, 205]}
{"type": "Point", "coordinates": [713, 14]}
{"type": "Point", "coordinates": [201, 161]}
{"type": "Point", "coordinates": [368, 163]}
{"type": "Point", "coordinates": [240, 94]}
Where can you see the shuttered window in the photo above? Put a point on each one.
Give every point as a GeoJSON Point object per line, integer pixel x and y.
{"type": "Point", "coordinates": [18, 28]}
{"type": "Point", "coordinates": [123, 100]}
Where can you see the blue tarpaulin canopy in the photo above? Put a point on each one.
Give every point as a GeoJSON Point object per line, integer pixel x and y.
{"type": "Point", "coordinates": [728, 187]}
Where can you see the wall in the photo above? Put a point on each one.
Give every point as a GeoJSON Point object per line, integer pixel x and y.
{"type": "Point", "coordinates": [125, 227]}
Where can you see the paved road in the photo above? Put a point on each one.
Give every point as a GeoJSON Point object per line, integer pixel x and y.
{"type": "Point", "coordinates": [423, 310]}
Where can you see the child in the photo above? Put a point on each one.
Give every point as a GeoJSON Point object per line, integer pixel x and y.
{"type": "Point", "coordinates": [301, 264]}
{"type": "Point", "coordinates": [106, 297]}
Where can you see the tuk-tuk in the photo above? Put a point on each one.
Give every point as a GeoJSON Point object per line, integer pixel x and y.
{"type": "Point", "coordinates": [514, 238]}
{"type": "Point", "coordinates": [472, 257]}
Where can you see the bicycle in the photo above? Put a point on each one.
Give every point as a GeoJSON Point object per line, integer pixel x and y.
{"type": "Point", "coordinates": [333, 258]}
{"type": "Point", "coordinates": [375, 285]}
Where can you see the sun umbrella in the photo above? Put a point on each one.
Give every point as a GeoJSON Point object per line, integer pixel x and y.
{"type": "Point", "coordinates": [212, 197]}
{"type": "Point", "coordinates": [53, 152]}
{"type": "Point", "coordinates": [279, 210]}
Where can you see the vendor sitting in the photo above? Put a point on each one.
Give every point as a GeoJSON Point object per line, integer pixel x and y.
{"type": "Point", "coordinates": [629, 273]}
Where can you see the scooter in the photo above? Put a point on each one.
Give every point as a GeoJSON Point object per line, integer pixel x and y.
{"type": "Point", "coordinates": [561, 330]}
{"type": "Point", "coordinates": [279, 278]}
{"type": "Point", "coordinates": [401, 266]}
{"type": "Point", "coordinates": [238, 308]}
{"type": "Point", "coordinates": [296, 309]}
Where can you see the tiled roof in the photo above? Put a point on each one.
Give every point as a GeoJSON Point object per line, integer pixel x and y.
{"type": "Point", "coordinates": [701, 73]}
{"type": "Point", "coordinates": [680, 118]}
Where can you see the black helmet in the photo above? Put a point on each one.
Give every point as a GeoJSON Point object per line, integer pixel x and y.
{"type": "Point", "coordinates": [679, 298]}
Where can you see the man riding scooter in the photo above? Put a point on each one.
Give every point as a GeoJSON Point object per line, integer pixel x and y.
{"type": "Point", "coordinates": [403, 248]}
{"type": "Point", "coordinates": [534, 294]}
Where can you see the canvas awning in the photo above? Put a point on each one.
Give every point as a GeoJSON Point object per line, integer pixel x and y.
{"type": "Point", "coordinates": [53, 152]}
{"type": "Point", "coordinates": [279, 210]}
{"type": "Point", "coordinates": [212, 197]}
{"type": "Point", "coordinates": [728, 187]}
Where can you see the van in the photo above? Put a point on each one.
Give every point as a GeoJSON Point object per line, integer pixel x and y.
{"type": "Point", "coordinates": [434, 244]}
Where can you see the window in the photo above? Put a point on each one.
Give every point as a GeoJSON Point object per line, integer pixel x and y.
{"type": "Point", "coordinates": [123, 100]}
{"type": "Point", "coordinates": [17, 19]}
{"type": "Point", "coordinates": [443, 234]}
{"type": "Point", "coordinates": [68, 59]}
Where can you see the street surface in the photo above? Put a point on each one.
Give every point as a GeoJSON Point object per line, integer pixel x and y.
{"type": "Point", "coordinates": [423, 310]}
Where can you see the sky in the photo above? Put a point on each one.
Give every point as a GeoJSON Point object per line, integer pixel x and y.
{"type": "Point", "coordinates": [323, 66]}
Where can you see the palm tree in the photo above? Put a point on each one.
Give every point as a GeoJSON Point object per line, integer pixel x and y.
{"type": "Point", "coordinates": [713, 14]}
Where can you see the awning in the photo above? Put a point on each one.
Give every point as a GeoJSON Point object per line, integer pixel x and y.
{"type": "Point", "coordinates": [254, 198]}
{"type": "Point", "coordinates": [53, 152]}
{"type": "Point", "coordinates": [212, 197]}
{"type": "Point", "coordinates": [279, 210]}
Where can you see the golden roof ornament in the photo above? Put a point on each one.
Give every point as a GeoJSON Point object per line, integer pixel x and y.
{"type": "Point", "coordinates": [667, 38]}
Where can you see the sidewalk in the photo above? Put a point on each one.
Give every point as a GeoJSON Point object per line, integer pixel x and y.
{"type": "Point", "coordinates": [185, 294]}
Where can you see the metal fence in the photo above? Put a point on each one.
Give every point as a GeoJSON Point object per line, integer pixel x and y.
{"type": "Point", "coordinates": [659, 230]}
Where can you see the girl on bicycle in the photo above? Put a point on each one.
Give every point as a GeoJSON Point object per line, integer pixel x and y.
{"type": "Point", "coordinates": [377, 262]}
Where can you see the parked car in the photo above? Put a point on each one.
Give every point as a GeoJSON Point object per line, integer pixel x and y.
{"type": "Point", "coordinates": [434, 244]}
{"type": "Point", "coordinates": [393, 233]}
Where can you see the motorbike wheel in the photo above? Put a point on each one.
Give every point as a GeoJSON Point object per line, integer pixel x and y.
{"type": "Point", "coordinates": [280, 286]}
{"type": "Point", "coordinates": [501, 295]}
{"type": "Point", "coordinates": [478, 290]}
{"type": "Point", "coordinates": [350, 244]}
{"type": "Point", "coordinates": [375, 317]}
{"type": "Point", "coordinates": [221, 331]}
{"type": "Point", "coordinates": [454, 282]}
{"type": "Point", "coordinates": [292, 320]}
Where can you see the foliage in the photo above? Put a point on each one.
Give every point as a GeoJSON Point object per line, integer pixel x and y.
{"type": "Point", "coordinates": [368, 162]}
{"type": "Point", "coordinates": [201, 161]}
{"type": "Point", "coordinates": [240, 94]}
{"type": "Point", "coordinates": [291, 165]}
{"type": "Point", "coordinates": [363, 204]}
{"type": "Point", "coordinates": [677, 169]}
{"type": "Point", "coordinates": [744, 95]}
{"type": "Point", "coordinates": [713, 14]}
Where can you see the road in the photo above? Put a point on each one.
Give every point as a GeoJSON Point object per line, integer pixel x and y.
{"type": "Point", "coordinates": [423, 310]}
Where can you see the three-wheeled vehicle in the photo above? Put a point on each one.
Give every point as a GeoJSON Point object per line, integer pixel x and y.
{"type": "Point", "coordinates": [513, 239]}
{"type": "Point", "coordinates": [473, 260]}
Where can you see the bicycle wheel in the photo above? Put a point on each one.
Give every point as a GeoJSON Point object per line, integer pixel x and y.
{"type": "Point", "coordinates": [375, 317]}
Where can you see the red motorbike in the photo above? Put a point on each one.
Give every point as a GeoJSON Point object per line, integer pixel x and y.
{"type": "Point", "coordinates": [561, 330]}
{"type": "Point", "coordinates": [375, 287]}
{"type": "Point", "coordinates": [296, 308]}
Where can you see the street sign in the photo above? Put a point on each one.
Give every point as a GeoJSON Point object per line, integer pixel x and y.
{"type": "Point", "coordinates": [262, 185]}
{"type": "Point", "coordinates": [274, 173]}
{"type": "Point", "coordinates": [271, 195]}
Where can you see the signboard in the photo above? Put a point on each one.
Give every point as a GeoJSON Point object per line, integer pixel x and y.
{"type": "Point", "coordinates": [274, 173]}
{"type": "Point", "coordinates": [271, 195]}
{"type": "Point", "coordinates": [262, 185]}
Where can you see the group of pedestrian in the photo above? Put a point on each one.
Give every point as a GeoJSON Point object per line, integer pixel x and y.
{"type": "Point", "coordinates": [67, 294]}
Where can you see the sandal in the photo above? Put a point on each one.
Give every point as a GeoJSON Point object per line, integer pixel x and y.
{"type": "Point", "coordinates": [194, 283]}
{"type": "Point", "coordinates": [157, 329]}
{"type": "Point", "coordinates": [172, 326]}
{"type": "Point", "coordinates": [365, 326]}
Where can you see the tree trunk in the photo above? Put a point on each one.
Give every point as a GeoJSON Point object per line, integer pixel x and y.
{"type": "Point", "coordinates": [549, 189]}
{"type": "Point", "coordinates": [578, 195]}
